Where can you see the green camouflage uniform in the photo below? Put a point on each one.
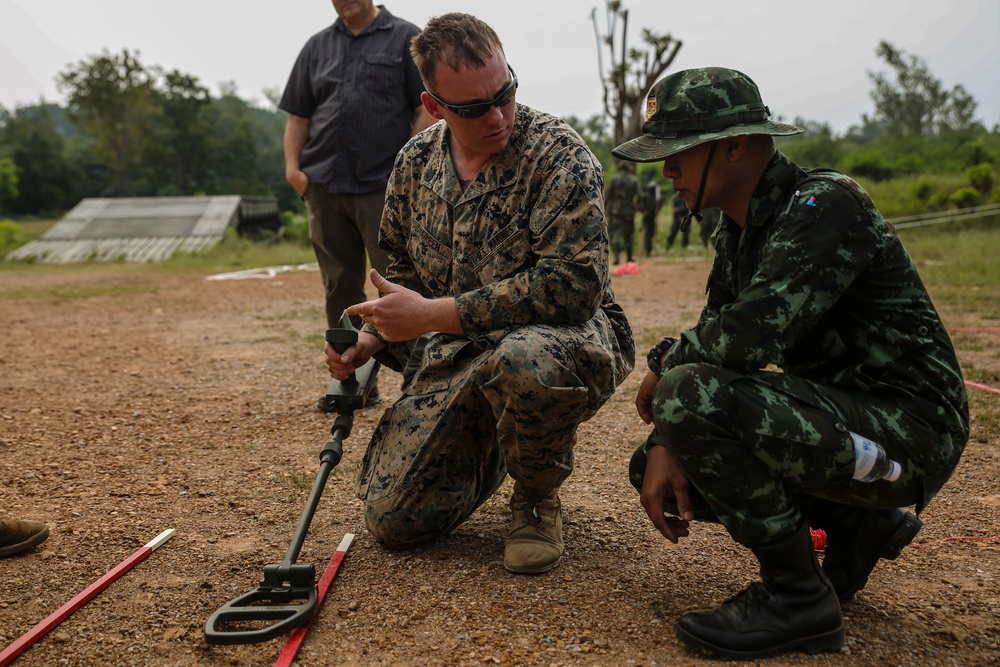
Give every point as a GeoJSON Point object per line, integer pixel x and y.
{"type": "Point", "coordinates": [818, 285]}
{"type": "Point", "coordinates": [649, 206]}
{"type": "Point", "coordinates": [709, 223]}
{"type": "Point", "coordinates": [680, 210]}
{"type": "Point", "coordinates": [523, 249]}
{"type": "Point", "coordinates": [620, 203]}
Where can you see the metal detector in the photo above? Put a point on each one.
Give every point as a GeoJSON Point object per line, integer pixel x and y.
{"type": "Point", "coordinates": [288, 596]}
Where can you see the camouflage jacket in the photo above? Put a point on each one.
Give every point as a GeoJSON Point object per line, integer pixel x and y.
{"type": "Point", "coordinates": [621, 198]}
{"type": "Point", "coordinates": [524, 243]}
{"type": "Point", "coordinates": [818, 284]}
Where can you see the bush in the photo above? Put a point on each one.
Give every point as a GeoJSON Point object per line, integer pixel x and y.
{"type": "Point", "coordinates": [964, 198]}
{"type": "Point", "coordinates": [923, 190]}
{"type": "Point", "coordinates": [869, 164]}
{"type": "Point", "coordinates": [296, 229]}
{"type": "Point", "coordinates": [9, 233]}
{"type": "Point", "coordinates": [982, 177]}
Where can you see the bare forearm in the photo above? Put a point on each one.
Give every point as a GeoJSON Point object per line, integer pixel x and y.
{"type": "Point", "coordinates": [296, 135]}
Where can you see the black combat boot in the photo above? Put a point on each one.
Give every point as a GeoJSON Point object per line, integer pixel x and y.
{"type": "Point", "coordinates": [856, 538]}
{"type": "Point", "coordinates": [793, 608]}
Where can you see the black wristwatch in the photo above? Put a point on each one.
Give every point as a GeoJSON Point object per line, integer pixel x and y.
{"type": "Point", "coordinates": [654, 359]}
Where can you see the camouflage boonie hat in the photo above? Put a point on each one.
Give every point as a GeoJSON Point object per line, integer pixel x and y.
{"type": "Point", "coordinates": [696, 106]}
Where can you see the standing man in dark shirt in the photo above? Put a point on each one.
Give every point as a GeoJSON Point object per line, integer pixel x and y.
{"type": "Point", "coordinates": [353, 100]}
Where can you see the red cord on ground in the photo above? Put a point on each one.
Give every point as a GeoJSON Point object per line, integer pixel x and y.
{"type": "Point", "coordinates": [956, 537]}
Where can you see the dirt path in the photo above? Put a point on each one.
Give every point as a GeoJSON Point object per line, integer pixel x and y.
{"type": "Point", "coordinates": [132, 402]}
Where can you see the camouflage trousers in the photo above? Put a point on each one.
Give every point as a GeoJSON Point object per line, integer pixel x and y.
{"type": "Point", "coordinates": [759, 448]}
{"type": "Point", "coordinates": [474, 412]}
{"type": "Point", "coordinates": [622, 231]}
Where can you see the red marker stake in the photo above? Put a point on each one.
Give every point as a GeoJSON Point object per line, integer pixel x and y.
{"type": "Point", "coordinates": [982, 386]}
{"type": "Point", "coordinates": [34, 634]}
{"type": "Point", "coordinates": [298, 635]}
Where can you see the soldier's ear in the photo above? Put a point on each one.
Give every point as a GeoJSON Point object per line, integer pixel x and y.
{"type": "Point", "coordinates": [734, 148]}
{"type": "Point", "coordinates": [432, 107]}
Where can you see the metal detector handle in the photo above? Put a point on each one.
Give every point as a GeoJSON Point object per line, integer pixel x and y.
{"type": "Point", "coordinates": [341, 339]}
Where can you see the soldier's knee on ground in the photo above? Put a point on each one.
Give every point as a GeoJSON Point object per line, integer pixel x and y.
{"type": "Point", "coordinates": [395, 529]}
{"type": "Point", "coordinates": [396, 526]}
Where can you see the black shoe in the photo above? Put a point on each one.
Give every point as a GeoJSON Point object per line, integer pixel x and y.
{"type": "Point", "coordinates": [793, 608]}
{"type": "Point", "coordinates": [374, 398]}
{"type": "Point", "coordinates": [856, 538]}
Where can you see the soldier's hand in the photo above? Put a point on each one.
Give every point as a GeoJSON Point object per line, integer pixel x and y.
{"type": "Point", "coordinates": [644, 397]}
{"type": "Point", "coordinates": [342, 365]}
{"type": "Point", "coordinates": [664, 479]}
{"type": "Point", "coordinates": [402, 314]}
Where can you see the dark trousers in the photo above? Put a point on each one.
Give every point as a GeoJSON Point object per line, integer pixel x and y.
{"type": "Point", "coordinates": [342, 229]}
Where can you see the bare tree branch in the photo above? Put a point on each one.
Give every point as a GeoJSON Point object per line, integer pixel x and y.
{"type": "Point", "coordinates": [632, 71]}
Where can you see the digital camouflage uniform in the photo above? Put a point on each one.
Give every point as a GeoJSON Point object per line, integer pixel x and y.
{"type": "Point", "coordinates": [818, 285]}
{"type": "Point", "coordinates": [620, 201]}
{"type": "Point", "coordinates": [523, 249]}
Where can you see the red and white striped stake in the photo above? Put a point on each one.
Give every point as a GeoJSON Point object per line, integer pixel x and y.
{"type": "Point", "coordinates": [34, 634]}
{"type": "Point", "coordinates": [298, 635]}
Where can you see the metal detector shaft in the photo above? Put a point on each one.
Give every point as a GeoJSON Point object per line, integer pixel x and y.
{"type": "Point", "coordinates": [329, 457]}
{"type": "Point", "coordinates": [287, 596]}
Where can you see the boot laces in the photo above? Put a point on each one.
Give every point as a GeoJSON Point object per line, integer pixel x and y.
{"type": "Point", "coordinates": [752, 599]}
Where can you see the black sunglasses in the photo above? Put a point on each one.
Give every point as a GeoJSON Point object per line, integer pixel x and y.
{"type": "Point", "coordinates": [477, 109]}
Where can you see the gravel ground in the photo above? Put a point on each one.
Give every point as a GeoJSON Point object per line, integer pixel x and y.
{"type": "Point", "coordinates": [132, 401]}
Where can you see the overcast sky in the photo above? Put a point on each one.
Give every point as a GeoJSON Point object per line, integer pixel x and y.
{"type": "Point", "coordinates": [810, 59]}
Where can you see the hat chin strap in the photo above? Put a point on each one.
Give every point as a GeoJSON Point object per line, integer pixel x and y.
{"type": "Point", "coordinates": [696, 211]}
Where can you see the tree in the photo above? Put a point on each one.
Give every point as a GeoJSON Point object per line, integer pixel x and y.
{"type": "Point", "coordinates": [183, 124]}
{"type": "Point", "coordinates": [594, 131]}
{"type": "Point", "coordinates": [632, 71]}
{"type": "Point", "coordinates": [45, 174]}
{"type": "Point", "coordinates": [8, 182]}
{"type": "Point", "coordinates": [110, 97]}
{"type": "Point", "coordinates": [916, 103]}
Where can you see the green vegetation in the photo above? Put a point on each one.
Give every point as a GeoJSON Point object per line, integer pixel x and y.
{"type": "Point", "coordinates": [236, 253]}
{"type": "Point", "coordinates": [134, 130]}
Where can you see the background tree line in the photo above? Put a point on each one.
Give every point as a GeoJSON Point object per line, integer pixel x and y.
{"type": "Point", "coordinates": [129, 129]}
{"type": "Point", "coordinates": [134, 130]}
{"type": "Point", "coordinates": [921, 150]}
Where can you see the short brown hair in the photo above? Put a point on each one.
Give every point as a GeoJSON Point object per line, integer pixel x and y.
{"type": "Point", "coordinates": [456, 39]}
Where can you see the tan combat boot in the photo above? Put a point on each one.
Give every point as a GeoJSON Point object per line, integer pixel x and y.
{"type": "Point", "coordinates": [18, 536]}
{"type": "Point", "coordinates": [534, 541]}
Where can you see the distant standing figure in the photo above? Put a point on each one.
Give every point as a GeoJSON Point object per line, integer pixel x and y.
{"type": "Point", "coordinates": [709, 222]}
{"type": "Point", "coordinates": [649, 207]}
{"type": "Point", "coordinates": [677, 224]}
{"type": "Point", "coordinates": [353, 100]}
{"type": "Point", "coordinates": [620, 199]}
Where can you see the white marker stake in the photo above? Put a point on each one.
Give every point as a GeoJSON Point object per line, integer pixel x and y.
{"type": "Point", "coordinates": [34, 634]}
{"type": "Point", "coordinates": [298, 635]}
